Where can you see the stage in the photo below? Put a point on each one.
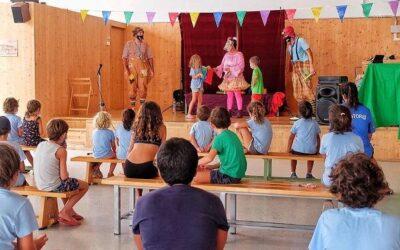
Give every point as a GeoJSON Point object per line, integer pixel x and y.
{"type": "Point", "coordinates": [386, 144]}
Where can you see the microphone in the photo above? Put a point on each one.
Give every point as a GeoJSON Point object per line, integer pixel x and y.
{"type": "Point", "coordinates": [100, 66]}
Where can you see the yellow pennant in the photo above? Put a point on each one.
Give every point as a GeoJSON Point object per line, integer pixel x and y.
{"type": "Point", "coordinates": [193, 17]}
{"type": "Point", "coordinates": [84, 14]}
{"type": "Point", "coordinates": [316, 11]}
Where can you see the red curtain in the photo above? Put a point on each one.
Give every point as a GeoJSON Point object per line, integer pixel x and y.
{"type": "Point", "coordinates": [208, 41]}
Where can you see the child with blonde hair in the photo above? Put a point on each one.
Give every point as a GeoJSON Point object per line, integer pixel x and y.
{"type": "Point", "coordinates": [103, 143]}
{"type": "Point", "coordinates": [196, 84]}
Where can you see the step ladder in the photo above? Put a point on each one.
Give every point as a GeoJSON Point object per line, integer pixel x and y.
{"type": "Point", "coordinates": [80, 88]}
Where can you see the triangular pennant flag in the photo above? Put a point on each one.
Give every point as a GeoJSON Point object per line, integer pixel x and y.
{"type": "Point", "coordinates": [217, 18]}
{"type": "Point", "coordinates": [394, 5]}
{"type": "Point", "coordinates": [367, 8]}
{"type": "Point", "coordinates": [106, 16]}
{"type": "Point", "coordinates": [128, 16]}
{"type": "Point", "coordinates": [240, 16]}
{"type": "Point", "coordinates": [341, 10]}
{"type": "Point", "coordinates": [264, 16]}
{"type": "Point", "coordinates": [193, 17]}
{"type": "Point", "coordinates": [172, 17]}
{"type": "Point", "coordinates": [84, 14]}
{"type": "Point", "coordinates": [290, 14]}
{"type": "Point", "coordinates": [150, 16]}
{"type": "Point", "coordinates": [316, 11]}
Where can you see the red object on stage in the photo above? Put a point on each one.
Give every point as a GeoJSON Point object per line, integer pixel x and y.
{"type": "Point", "coordinates": [209, 77]}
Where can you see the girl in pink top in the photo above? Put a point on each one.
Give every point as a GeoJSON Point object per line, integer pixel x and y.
{"type": "Point", "coordinates": [231, 68]}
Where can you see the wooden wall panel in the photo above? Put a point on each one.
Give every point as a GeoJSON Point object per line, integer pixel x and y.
{"type": "Point", "coordinates": [17, 74]}
{"type": "Point", "coordinates": [341, 47]}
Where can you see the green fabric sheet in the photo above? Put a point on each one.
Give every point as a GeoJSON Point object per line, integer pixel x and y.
{"type": "Point", "coordinates": [380, 92]}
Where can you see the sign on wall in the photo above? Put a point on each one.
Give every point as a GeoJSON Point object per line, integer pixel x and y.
{"type": "Point", "coordinates": [8, 47]}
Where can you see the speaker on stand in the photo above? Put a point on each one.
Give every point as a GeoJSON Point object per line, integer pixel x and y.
{"type": "Point", "coordinates": [328, 93]}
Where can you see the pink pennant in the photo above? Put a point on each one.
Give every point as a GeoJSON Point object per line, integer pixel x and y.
{"type": "Point", "coordinates": [150, 16]}
{"type": "Point", "coordinates": [394, 5]}
{"type": "Point", "coordinates": [290, 14]}
{"type": "Point", "coordinates": [172, 17]}
{"type": "Point", "coordinates": [264, 16]}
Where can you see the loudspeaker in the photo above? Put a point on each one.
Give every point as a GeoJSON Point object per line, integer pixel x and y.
{"type": "Point", "coordinates": [20, 12]}
{"type": "Point", "coordinates": [327, 94]}
{"type": "Point", "coordinates": [332, 79]}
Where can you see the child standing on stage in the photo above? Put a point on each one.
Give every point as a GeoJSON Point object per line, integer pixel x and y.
{"type": "Point", "coordinates": [201, 133]}
{"type": "Point", "coordinates": [229, 150]}
{"type": "Point", "coordinates": [103, 143]}
{"type": "Point", "coordinates": [339, 141]}
{"type": "Point", "coordinates": [255, 133]}
{"type": "Point", "coordinates": [304, 138]}
{"type": "Point", "coordinates": [10, 108]}
{"type": "Point", "coordinates": [257, 82]}
{"type": "Point", "coordinates": [123, 134]}
{"type": "Point", "coordinates": [196, 84]}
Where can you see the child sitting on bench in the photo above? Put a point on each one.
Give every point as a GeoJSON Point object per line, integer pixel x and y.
{"type": "Point", "coordinates": [51, 173]}
{"type": "Point", "coordinates": [18, 220]}
{"type": "Point", "coordinates": [229, 150]}
{"type": "Point", "coordinates": [103, 143]}
{"type": "Point", "coordinates": [255, 133]}
{"type": "Point", "coordinates": [202, 133]}
{"type": "Point", "coordinates": [359, 183]}
{"type": "Point", "coordinates": [123, 134]}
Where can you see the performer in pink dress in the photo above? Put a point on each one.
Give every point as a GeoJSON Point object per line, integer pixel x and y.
{"type": "Point", "coordinates": [231, 68]}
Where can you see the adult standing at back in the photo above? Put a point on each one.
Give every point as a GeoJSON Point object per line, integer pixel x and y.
{"type": "Point", "coordinates": [303, 69]}
{"type": "Point", "coordinates": [138, 65]}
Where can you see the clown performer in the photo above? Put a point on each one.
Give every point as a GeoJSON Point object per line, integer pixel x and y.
{"type": "Point", "coordinates": [138, 64]}
{"type": "Point", "coordinates": [231, 69]}
{"type": "Point", "coordinates": [303, 68]}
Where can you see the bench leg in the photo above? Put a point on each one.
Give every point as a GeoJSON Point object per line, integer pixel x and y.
{"type": "Point", "coordinates": [132, 199]}
{"type": "Point", "coordinates": [232, 212]}
{"type": "Point", "coordinates": [89, 173]}
{"type": "Point", "coordinates": [117, 210]}
{"type": "Point", "coordinates": [267, 169]}
{"type": "Point", "coordinates": [48, 212]}
{"type": "Point", "coordinates": [222, 197]}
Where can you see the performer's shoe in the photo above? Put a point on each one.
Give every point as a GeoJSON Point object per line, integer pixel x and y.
{"type": "Point", "coordinates": [239, 114]}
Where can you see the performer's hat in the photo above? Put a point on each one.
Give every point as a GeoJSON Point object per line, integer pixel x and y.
{"type": "Point", "coordinates": [288, 31]}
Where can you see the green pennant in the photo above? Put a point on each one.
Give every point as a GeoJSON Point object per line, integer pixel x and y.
{"type": "Point", "coordinates": [367, 8]}
{"type": "Point", "coordinates": [128, 16]}
{"type": "Point", "coordinates": [240, 16]}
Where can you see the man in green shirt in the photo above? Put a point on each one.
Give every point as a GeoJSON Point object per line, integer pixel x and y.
{"type": "Point", "coordinates": [257, 82]}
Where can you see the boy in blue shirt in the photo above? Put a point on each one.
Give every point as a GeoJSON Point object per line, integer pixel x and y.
{"type": "Point", "coordinates": [17, 219]}
{"type": "Point", "coordinates": [10, 108]}
{"type": "Point", "coordinates": [202, 133]}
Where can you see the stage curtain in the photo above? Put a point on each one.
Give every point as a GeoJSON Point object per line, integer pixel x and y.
{"type": "Point", "coordinates": [266, 42]}
{"type": "Point", "coordinates": [206, 40]}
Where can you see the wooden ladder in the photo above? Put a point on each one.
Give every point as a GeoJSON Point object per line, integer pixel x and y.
{"type": "Point", "coordinates": [79, 88]}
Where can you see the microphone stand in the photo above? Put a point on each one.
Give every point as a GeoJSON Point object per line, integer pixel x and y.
{"type": "Point", "coordinates": [102, 103]}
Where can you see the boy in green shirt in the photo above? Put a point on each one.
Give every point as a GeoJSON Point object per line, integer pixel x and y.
{"type": "Point", "coordinates": [229, 150]}
{"type": "Point", "coordinates": [257, 82]}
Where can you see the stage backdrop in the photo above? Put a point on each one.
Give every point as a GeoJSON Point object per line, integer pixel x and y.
{"type": "Point", "coordinates": [254, 39]}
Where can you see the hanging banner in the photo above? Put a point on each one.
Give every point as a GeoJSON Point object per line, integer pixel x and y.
{"type": "Point", "coordinates": [84, 14]}
{"type": "Point", "coordinates": [106, 16]}
{"type": "Point", "coordinates": [341, 10]}
{"type": "Point", "coordinates": [367, 8]}
{"type": "Point", "coordinates": [394, 6]}
{"type": "Point", "coordinates": [128, 16]}
{"type": "Point", "coordinates": [290, 14]}
{"type": "Point", "coordinates": [150, 17]}
{"type": "Point", "coordinates": [240, 16]}
{"type": "Point", "coordinates": [217, 18]}
{"type": "Point", "coordinates": [172, 17]}
{"type": "Point", "coordinates": [193, 17]}
{"type": "Point", "coordinates": [316, 11]}
{"type": "Point", "coordinates": [264, 16]}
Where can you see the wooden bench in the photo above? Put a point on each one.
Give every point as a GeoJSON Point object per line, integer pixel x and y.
{"type": "Point", "coordinates": [28, 148]}
{"type": "Point", "coordinates": [48, 211]}
{"type": "Point", "coordinates": [278, 156]}
{"type": "Point", "coordinates": [89, 169]}
{"type": "Point", "coordinates": [247, 187]}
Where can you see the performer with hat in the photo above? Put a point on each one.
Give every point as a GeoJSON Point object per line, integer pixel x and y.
{"type": "Point", "coordinates": [303, 68]}
{"type": "Point", "coordinates": [138, 64]}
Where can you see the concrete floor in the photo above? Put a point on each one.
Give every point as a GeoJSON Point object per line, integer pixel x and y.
{"type": "Point", "coordinates": [96, 232]}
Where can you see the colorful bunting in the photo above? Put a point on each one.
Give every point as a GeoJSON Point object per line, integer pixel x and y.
{"type": "Point", "coordinates": [172, 17]}
{"type": "Point", "coordinates": [128, 16]}
{"type": "Point", "coordinates": [193, 17]}
{"type": "Point", "coordinates": [150, 16]}
{"type": "Point", "coordinates": [316, 11]}
{"type": "Point", "coordinates": [106, 16]}
{"type": "Point", "coordinates": [240, 16]}
{"type": "Point", "coordinates": [341, 10]}
{"type": "Point", "coordinates": [84, 14]}
{"type": "Point", "coordinates": [367, 8]}
{"type": "Point", "coordinates": [290, 14]}
{"type": "Point", "coordinates": [264, 16]}
{"type": "Point", "coordinates": [217, 18]}
{"type": "Point", "coordinates": [394, 5]}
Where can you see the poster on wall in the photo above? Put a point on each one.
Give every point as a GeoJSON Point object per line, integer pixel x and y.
{"type": "Point", "coordinates": [8, 48]}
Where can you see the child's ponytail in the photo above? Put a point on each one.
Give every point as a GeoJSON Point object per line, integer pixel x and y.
{"type": "Point", "coordinates": [257, 110]}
